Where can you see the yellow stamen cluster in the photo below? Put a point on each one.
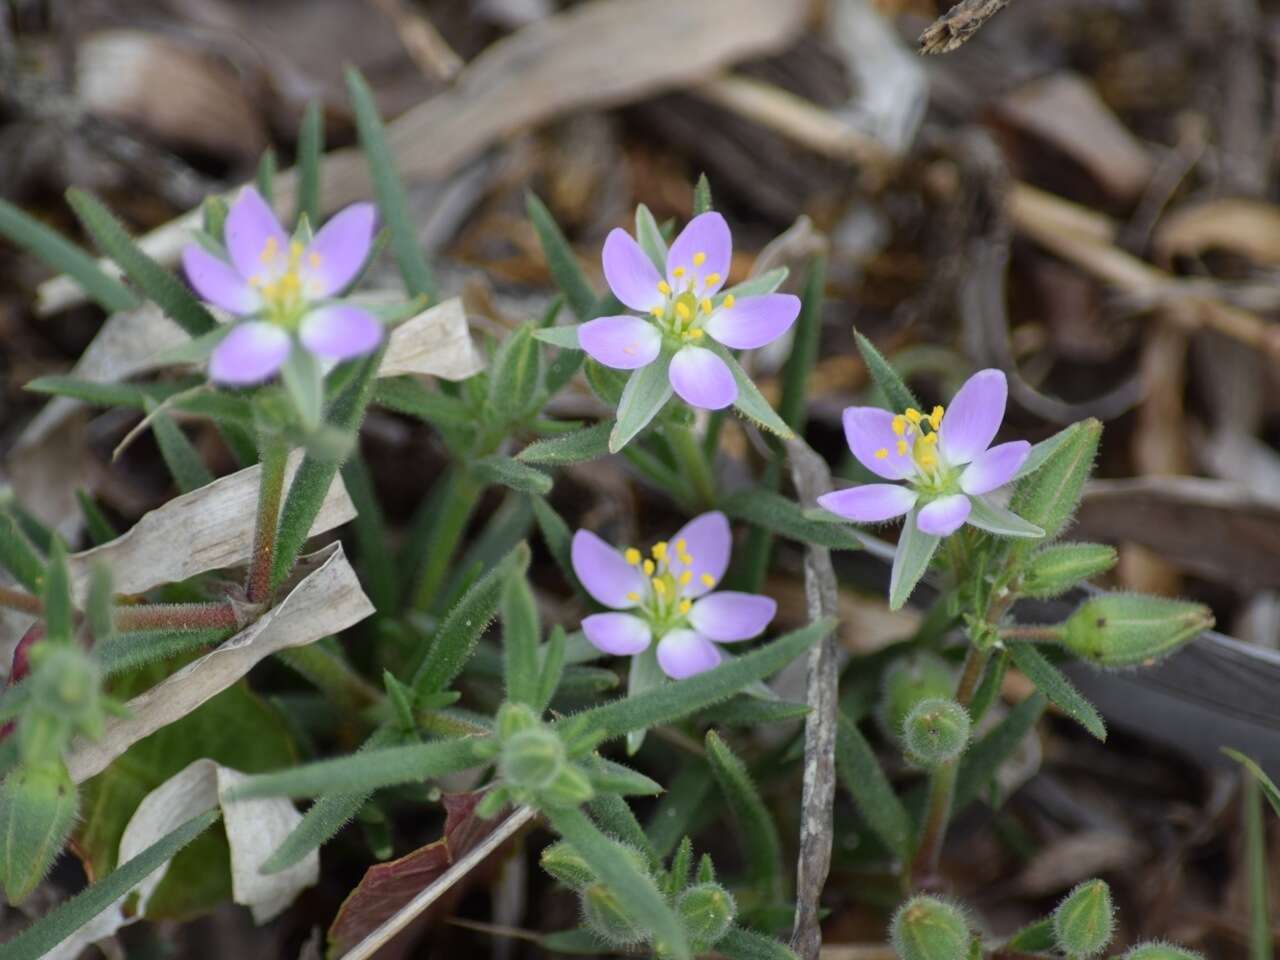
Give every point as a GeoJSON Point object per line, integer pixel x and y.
{"type": "Point", "coordinates": [684, 310]}
{"type": "Point", "coordinates": [909, 427]}
{"type": "Point", "coordinates": [283, 297]}
{"type": "Point", "coordinates": [664, 604]}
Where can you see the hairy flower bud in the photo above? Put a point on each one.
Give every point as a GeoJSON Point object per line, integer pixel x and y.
{"type": "Point", "coordinates": [1122, 630]}
{"type": "Point", "coordinates": [1160, 951]}
{"type": "Point", "coordinates": [706, 911]}
{"type": "Point", "coordinates": [570, 788]}
{"type": "Point", "coordinates": [37, 809]}
{"type": "Point", "coordinates": [906, 683]}
{"type": "Point", "coordinates": [936, 731]}
{"type": "Point", "coordinates": [1055, 570]}
{"type": "Point", "coordinates": [926, 928]}
{"type": "Point", "coordinates": [563, 862]}
{"type": "Point", "coordinates": [66, 681]}
{"type": "Point", "coordinates": [512, 718]}
{"type": "Point", "coordinates": [603, 914]}
{"type": "Point", "coordinates": [532, 759]}
{"type": "Point", "coordinates": [1084, 922]}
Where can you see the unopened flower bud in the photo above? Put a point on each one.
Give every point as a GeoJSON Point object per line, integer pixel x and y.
{"type": "Point", "coordinates": [37, 810]}
{"type": "Point", "coordinates": [603, 914]}
{"type": "Point", "coordinates": [513, 718]}
{"type": "Point", "coordinates": [906, 683]}
{"type": "Point", "coordinates": [1123, 630]}
{"type": "Point", "coordinates": [1085, 921]}
{"type": "Point", "coordinates": [532, 759]}
{"type": "Point", "coordinates": [926, 928]}
{"type": "Point", "coordinates": [936, 731]}
{"type": "Point", "coordinates": [66, 681]}
{"type": "Point", "coordinates": [1055, 570]}
{"type": "Point", "coordinates": [563, 862]}
{"type": "Point", "coordinates": [1160, 951]}
{"type": "Point", "coordinates": [570, 788]}
{"type": "Point", "coordinates": [706, 911]}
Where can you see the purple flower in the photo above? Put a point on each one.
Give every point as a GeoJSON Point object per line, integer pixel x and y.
{"type": "Point", "coordinates": [945, 459]}
{"type": "Point", "coordinates": [669, 596]}
{"type": "Point", "coordinates": [285, 289]}
{"type": "Point", "coordinates": [681, 309]}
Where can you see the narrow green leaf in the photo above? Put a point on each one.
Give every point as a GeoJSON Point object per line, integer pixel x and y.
{"type": "Point", "coordinates": [862, 776]}
{"type": "Point", "coordinates": [758, 285]}
{"type": "Point", "coordinates": [310, 152]}
{"type": "Point", "coordinates": [614, 816]}
{"type": "Point", "coordinates": [182, 459]}
{"type": "Point", "coordinates": [750, 401]}
{"type": "Point", "coordinates": [1043, 450]}
{"type": "Point", "coordinates": [634, 889]}
{"type": "Point", "coordinates": [561, 262]}
{"type": "Point", "coordinates": [992, 518]}
{"type": "Point", "coordinates": [95, 521]}
{"type": "Point", "coordinates": [804, 349]}
{"type": "Point", "coordinates": [128, 651]}
{"type": "Point", "coordinates": [1257, 854]}
{"type": "Point", "coordinates": [978, 768]}
{"type": "Point", "coordinates": [185, 396]}
{"type": "Point", "coordinates": [675, 700]}
{"type": "Point", "coordinates": [609, 777]}
{"type": "Point", "coordinates": [564, 337]}
{"type": "Point", "coordinates": [776, 513]}
{"type": "Point", "coordinates": [169, 293]}
{"type": "Point", "coordinates": [265, 177]}
{"type": "Point", "coordinates": [59, 614]}
{"type": "Point", "coordinates": [910, 561]}
{"type": "Point", "coordinates": [376, 562]}
{"type": "Point", "coordinates": [62, 255]}
{"type": "Point", "coordinates": [65, 919]}
{"type": "Point", "coordinates": [408, 396]}
{"type": "Point", "coordinates": [649, 237]}
{"type": "Point", "coordinates": [643, 674]}
{"type": "Point", "coordinates": [520, 635]}
{"type": "Point", "coordinates": [551, 669]}
{"type": "Point", "coordinates": [758, 832]}
{"type": "Point", "coordinates": [645, 394]}
{"type": "Point", "coordinates": [515, 377]}
{"type": "Point", "coordinates": [749, 711]}
{"type": "Point", "coordinates": [678, 809]}
{"type": "Point", "coordinates": [556, 535]}
{"type": "Point", "coordinates": [886, 378]}
{"type": "Point", "coordinates": [388, 190]}
{"type": "Point", "coordinates": [589, 443]}
{"type": "Point", "coordinates": [304, 383]}
{"type": "Point", "coordinates": [512, 473]}
{"type": "Point", "coordinates": [18, 556]}
{"type": "Point", "coordinates": [1051, 681]}
{"type": "Point", "coordinates": [1036, 937]}
{"type": "Point", "coordinates": [1269, 789]}
{"type": "Point", "coordinates": [742, 944]}
{"type": "Point", "coordinates": [702, 195]}
{"type": "Point", "coordinates": [1049, 497]}
{"type": "Point", "coordinates": [456, 638]}
{"type": "Point", "coordinates": [99, 608]}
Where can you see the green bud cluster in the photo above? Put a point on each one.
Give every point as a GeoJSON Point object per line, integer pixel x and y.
{"type": "Point", "coordinates": [535, 767]}
{"type": "Point", "coordinates": [908, 681]}
{"type": "Point", "coordinates": [1084, 921]}
{"type": "Point", "coordinates": [926, 928]}
{"type": "Point", "coordinates": [936, 731]}
{"type": "Point", "coordinates": [1125, 630]}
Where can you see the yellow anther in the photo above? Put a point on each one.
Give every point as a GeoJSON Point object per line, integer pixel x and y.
{"type": "Point", "coordinates": [682, 311]}
{"type": "Point", "coordinates": [633, 597]}
{"type": "Point", "coordinates": [708, 580]}
{"type": "Point", "coordinates": [902, 448]}
{"type": "Point", "coordinates": [686, 606]}
{"type": "Point", "coordinates": [659, 550]}
{"type": "Point", "coordinates": [931, 439]}
{"type": "Point", "coordinates": [314, 260]}
{"type": "Point", "coordinates": [648, 568]}
{"type": "Point", "coordinates": [928, 458]}
{"type": "Point", "coordinates": [632, 556]}
{"type": "Point", "coordinates": [678, 272]}
{"type": "Point", "coordinates": [686, 578]}
{"type": "Point", "coordinates": [882, 453]}
{"type": "Point", "coordinates": [913, 415]}
{"type": "Point", "coordinates": [728, 301]}
{"type": "Point", "coordinates": [699, 259]}
{"type": "Point", "coordinates": [695, 334]}
{"type": "Point", "coordinates": [711, 279]}
{"type": "Point", "coordinates": [899, 425]}
{"type": "Point", "coordinates": [664, 288]}
{"type": "Point", "coordinates": [682, 546]}
{"type": "Point", "coordinates": [659, 586]}
{"type": "Point", "coordinates": [705, 304]}
{"type": "Point", "coordinates": [935, 417]}
{"type": "Point", "coordinates": [656, 312]}
{"type": "Point", "coordinates": [269, 250]}
{"type": "Point", "coordinates": [255, 280]}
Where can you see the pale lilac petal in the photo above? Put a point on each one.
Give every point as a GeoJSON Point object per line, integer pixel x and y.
{"type": "Point", "coordinates": [706, 541]}
{"type": "Point", "coordinates": [702, 379]}
{"type": "Point", "coordinates": [944, 516]}
{"type": "Point", "coordinates": [257, 243]}
{"type": "Point", "coordinates": [630, 273]}
{"type": "Point", "coordinates": [685, 653]}
{"type": "Point", "coordinates": [340, 331]}
{"type": "Point", "coordinates": [974, 416]}
{"type": "Point", "coordinates": [618, 633]}
{"type": "Point", "coordinates": [754, 321]}
{"type": "Point", "coordinates": [250, 353]}
{"type": "Point", "coordinates": [706, 234]}
{"type": "Point", "coordinates": [870, 503]}
{"type": "Point", "coordinates": [336, 254]}
{"type": "Point", "coordinates": [994, 468]}
{"type": "Point", "coordinates": [218, 282]}
{"type": "Point", "coordinates": [728, 616]}
{"type": "Point", "coordinates": [869, 430]}
{"type": "Point", "coordinates": [604, 573]}
{"type": "Point", "coordinates": [622, 342]}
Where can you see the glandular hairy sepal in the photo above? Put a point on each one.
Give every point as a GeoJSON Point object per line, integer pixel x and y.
{"type": "Point", "coordinates": [1126, 630]}
{"type": "Point", "coordinates": [1054, 570]}
{"type": "Point", "coordinates": [926, 928]}
{"type": "Point", "coordinates": [908, 681]}
{"type": "Point", "coordinates": [1084, 921]}
{"type": "Point", "coordinates": [1161, 951]}
{"type": "Point", "coordinates": [563, 862]}
{"type": "Point", "coordinates": [935, 732]}
{"type": "Point", "coordinates": [706, 912]}
{"type": "Point", "coordinates": [38, 805]}
{"type": "Point", "coordinates": [604, 915]}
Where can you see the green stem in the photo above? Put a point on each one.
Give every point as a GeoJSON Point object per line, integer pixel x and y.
{"type": "Point", "coordinates": [330, 673]}
{"type": "Point", "coordinates": [1256, 857]}
{"type": "Point", "coordinates": [1032, 634]}
{"type": "Point", "coordinates": [693, 457]}
{"type": "Point", "coordinates": [461, 495]}
{"type": "Point", "coordinates": [270, 495]}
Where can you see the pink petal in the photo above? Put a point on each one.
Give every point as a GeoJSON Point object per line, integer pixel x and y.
{"type": "Point", "coordinates": [869, 503]}
{"type": "Point", "coordinates": [974, 416]}
{"type": "Point", "coordinates": [604, 573]}
{"type": "Point", "coordinates": [706, 540]}
{"type": "Point", "coordinates": [618, 633]}
{"type": "Point", "coordinates": [340, 331]}
{"type": "Point", "coordinates": [336, 254]}
{"type": "Point", "coordinates": [629, 272]}
{"type": "Point", "coordinates": [249, 354]}
{"type": "Point", "coordinates": [685, 653]}
{"type": "Point", "coordinates": [218, 282]}
{"type": "Point", "coordinates": [869, 430]}
{"type": "Point", "coordinates": [728, 616]}
{"type": "Point", "coordinates": [622, 342]}
{"type": "Point", "coordinates": [754, 321]}
{"type": "Point", "coordinates": [256, 241]}
{"type": "Point", "coordinates": [702, 379]}
{"type": "Point", "coordinates": [945, 515]}
{"type": "Point", "coordinates": [994, 468]}
{"type": "Point", "coordinates": [707, 234]}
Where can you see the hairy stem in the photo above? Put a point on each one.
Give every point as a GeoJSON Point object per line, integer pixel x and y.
{"type": "Point", "coordinates": [455, 509]}
{"type": "Point", "coordinates": [20, 600]}
{"type": "Point", "coordinates": [177, 616]}
{"type": "Point", "coordinates": [693, 458]}
{"type": "Point", "coordinates": [1032, 634]}
{"type": "Point", "coordinates": [270, 495]}
{"type": "Point", "coordinates": [332, 676]}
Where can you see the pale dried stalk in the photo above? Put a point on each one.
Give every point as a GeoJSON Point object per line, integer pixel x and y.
{"type": "Point", "coordinates": [326, 600]}
{"type": "Point", "coordinates": [958, 24]}
{"type": "Point", "coordinates": [430, 51]}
